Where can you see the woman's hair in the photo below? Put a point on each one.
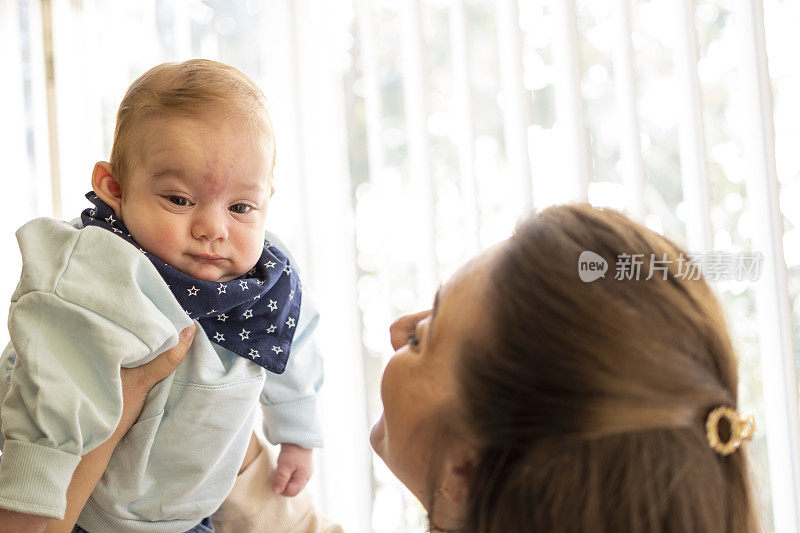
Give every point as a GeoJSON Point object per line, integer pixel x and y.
{"type": "Point", "coordinates": [589, 400]}
{"type": "Point", "coordinates": [196, 88]}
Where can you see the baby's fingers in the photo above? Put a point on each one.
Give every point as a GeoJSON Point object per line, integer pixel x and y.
{"type": "Point", "coordinates": [281, 478]}
{"type": "Point", "coordinates": [296, 483]}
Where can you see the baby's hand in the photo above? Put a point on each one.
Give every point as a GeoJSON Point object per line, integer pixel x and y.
{"type": "Point", "coordinates": [294, 469]}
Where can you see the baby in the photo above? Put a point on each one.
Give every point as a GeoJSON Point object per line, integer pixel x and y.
{"type": "Point", "coordinates": [176, 234]}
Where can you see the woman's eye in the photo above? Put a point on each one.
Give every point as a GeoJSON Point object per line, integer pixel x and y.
{"type": "Point", "coordinates": [240, 208]}
{"type": "Point", "coordinates": [178, 200]}
{"type": "Point", "coordinates": [412, 340]}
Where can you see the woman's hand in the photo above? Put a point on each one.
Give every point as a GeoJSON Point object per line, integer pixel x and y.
{"type": "Point", "coordinates": [136, 384]}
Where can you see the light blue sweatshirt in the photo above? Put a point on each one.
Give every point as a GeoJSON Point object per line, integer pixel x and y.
{"type": "Point", "coordinates": [88, 302]}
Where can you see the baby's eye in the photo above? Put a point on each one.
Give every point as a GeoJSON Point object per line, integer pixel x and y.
{"type": "Point", "coordinates": [178, 200]}
{"type": "Point", "coordinates": [240, 208]}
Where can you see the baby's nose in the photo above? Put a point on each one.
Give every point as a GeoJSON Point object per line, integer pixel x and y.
{"type": "Point", "coordinates": [209, 226]}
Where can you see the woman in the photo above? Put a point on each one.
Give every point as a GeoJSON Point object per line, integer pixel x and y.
{"type": "Point", "coordinates": [529, 400]}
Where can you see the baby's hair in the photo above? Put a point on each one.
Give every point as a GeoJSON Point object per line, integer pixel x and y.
{"type": "Point", "coordinates": [196, 88]}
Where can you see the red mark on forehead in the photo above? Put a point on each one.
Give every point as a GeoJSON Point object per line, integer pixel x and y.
{"type": "Point", "coordinates": [217, 177]}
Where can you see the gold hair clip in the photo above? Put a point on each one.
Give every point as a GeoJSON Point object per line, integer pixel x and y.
{"type": "Point", "coordinates": [742, 429]}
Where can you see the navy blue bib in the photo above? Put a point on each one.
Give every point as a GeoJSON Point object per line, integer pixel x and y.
{"type": "Point", "coordinates": [254, 315]}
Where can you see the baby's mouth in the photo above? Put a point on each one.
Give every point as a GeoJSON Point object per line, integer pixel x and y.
{"type": "Point", "coordinates": [207, 257]}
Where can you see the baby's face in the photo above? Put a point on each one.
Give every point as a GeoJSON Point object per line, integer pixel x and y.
{"type": "Point", "coordinates": [197, 195]}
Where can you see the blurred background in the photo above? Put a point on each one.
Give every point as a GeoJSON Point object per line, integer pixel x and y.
{"type": "Point", "coordinates": [412, 133]}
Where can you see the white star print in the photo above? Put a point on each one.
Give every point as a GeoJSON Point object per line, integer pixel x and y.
{"type": "Point", "coordinates": [110, 219]}
{"type": "Point", "coordinates": [267, 244]}
{"type": "Point", "coordinates": [145, 253]}
{"type": "Point", "coordinates": [93, 212]}
{"type": "Point", "coordinates": [273, 305]}
{"type": "Point", "coordinates": [192, 291]}
{"type": "Point", "coordinates": [222, 288]}
{"type": "Point", "coordinates": [277, 349]}
{"type": "Point", "coordinates": [211, 312]}
{"type": "Point", "coordinates": [260, 282]}
{"type": "Point", "coordinates": [116, 230]}
{"type": "Point", "coordinates": [291, 295]}
{"type": "Point", "coordinates": [251, 271]}
{"type": "Point", "coordinates": [290, 322]}
{"type": "Point", "coordinates": [269, 264]}
{"type": "Point", "coordinates": [256, 297]}
{"type": "Point", "coordinates": [222, 318]}
{"type": "Point", "coordinates": [219, 337]}
{"type": "Point", "coordinates": [287, 269]}
{"type": "Point", "coordinates": [245, 334]}
{"type": "Point", "coordinates": [253, 354]}
{"type": "Point", "coordinates": [271, 329]}
{"type": "Point", "coordinates": [248, 313]}
{"type": "Point", "coordinates": [243, 285]}
{"type": "Point", "coordinates": [187, 312]}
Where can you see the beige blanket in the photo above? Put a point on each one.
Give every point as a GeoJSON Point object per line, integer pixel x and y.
{"type": "Point", "coordinates": [252, 506]}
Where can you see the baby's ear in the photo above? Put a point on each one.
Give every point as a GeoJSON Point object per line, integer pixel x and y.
{"type": "Point", "coordinates": [106, 186]}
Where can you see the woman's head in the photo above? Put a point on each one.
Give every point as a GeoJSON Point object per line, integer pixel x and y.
{"type": "Point", "coordinates": [419, 389]}
{"type": "Point", "coordinates": [557, 404]}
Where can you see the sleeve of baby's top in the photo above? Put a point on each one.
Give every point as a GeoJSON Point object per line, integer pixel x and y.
{"type": "Point", "coordinates": [65, 399]}
{"type": "Point", "coordinates": [70, 332]}
{"type": "Point", "coordinates": [289, 400]}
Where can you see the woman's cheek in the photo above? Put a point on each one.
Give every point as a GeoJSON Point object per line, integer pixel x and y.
{"type": "Point", "coordinates": [391, 386]}
{"type": "Point", "coordinates": [377, 437]}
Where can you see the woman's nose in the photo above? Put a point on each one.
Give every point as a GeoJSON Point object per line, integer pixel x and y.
{"type": "Point", "coordinates": [403, 327]}
{"type": "Point", "coordinates": [210, 225]}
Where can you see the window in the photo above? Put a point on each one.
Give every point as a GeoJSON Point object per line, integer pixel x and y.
{"type": "Point", "coordinates": [411, 134]}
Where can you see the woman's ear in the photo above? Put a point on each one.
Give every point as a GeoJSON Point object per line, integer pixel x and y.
{"type": "Point", "coordinates": [106, 186]}
{"type": "Point", "coordinates": [450, 500]}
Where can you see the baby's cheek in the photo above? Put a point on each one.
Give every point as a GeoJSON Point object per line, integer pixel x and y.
{"type": "Point", "coordinates": [151, 230]}
{"type": "Point", "coordinates": [253, 245]}
{"type": "Point", "coordinates": [254, 253]}
{"type": "Point", "coordinates": [163, 239]}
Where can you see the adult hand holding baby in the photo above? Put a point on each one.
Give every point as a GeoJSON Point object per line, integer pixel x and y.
{"type": "Point", "coordinates": [136, 384]}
